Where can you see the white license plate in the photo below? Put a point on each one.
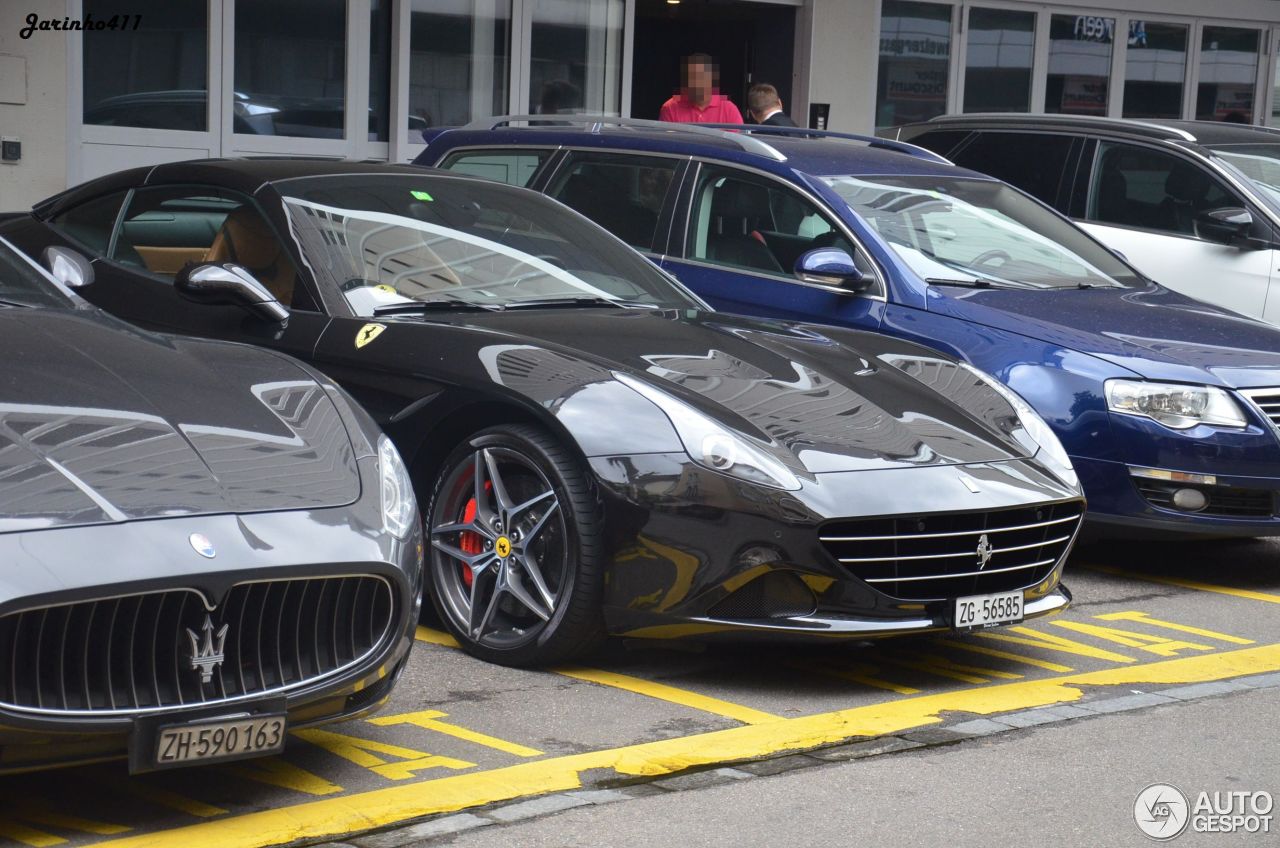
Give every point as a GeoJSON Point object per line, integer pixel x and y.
{"type": "Point", "coordinates": [988, 610]}
{"type": "Point", "coordinates": [220, 740]}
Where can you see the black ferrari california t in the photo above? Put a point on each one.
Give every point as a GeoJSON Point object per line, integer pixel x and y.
{"type": "Point", "coordinates": [599, 451]}
{"type": "Point", "coordinates": [205, 544]}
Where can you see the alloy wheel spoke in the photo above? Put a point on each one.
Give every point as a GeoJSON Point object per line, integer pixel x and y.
{"type": "Point", "coordinates": [499, 489]}
{"type": "Point", "coordinates": [532, 502]}
{"type": "Point", "coordinates": [516, 589]}
{"type": "Point", "coordinates": [479, 623]}
{"type": "Point", "coordinates": [475, 561]}
{"type": "Point", "coordinates": [534, 571]}
{"type": "Point", "coordinates": [463, 527]}
{"type": "Point", "coordinates": [479, 475]}
{"type": "Point", "coordinates": [533, 531]}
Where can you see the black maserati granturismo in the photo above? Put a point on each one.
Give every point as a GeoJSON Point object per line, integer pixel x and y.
{"type": "Point", "coordinates": [205, 544]}
{"type": "Point", "coordinates": [598, 452]}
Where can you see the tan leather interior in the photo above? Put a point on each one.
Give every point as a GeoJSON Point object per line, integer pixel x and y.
{"type": "Point", "coordinates": [169, 260]}
{"type": "Point", "coordinates": [246, 239]}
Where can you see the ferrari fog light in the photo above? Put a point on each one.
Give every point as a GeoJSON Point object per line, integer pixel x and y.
{"type": "Point", "coordinates": [1190, 500]}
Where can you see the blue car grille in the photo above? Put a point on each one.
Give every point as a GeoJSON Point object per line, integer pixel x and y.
{"type": "Point", "coordinates": [1268, 401]}
{"type": "Point", "coordinates": [137, 653]}
{"type": "Point", "coordinates": [947, 555]}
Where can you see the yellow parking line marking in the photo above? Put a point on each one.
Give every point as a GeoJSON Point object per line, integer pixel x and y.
{"type": "Point", "coordinates": [1158, 645]}
{"type": "Point", "coordinates": [943, 668]}
{"type": "Point", "coordinates": [672, 694]}
{"type": "Point", "coordinates": [65, 822]}
{"type": "Point", "coordinates": [1143, 618]}
{"type": "Point", "coordinates": [435, 637]}
{"type": "Point", "coordinates": [172, 800]}
{"type": "Point", "coordinates": [342, 816]}
{"type": "Point", "coordinates": [29, 836]}
{"type": "Point", "coordinates": [430, 720]}
{"type": "Point", "coordinates": [1248, 594]}
{"type": "Point", "coordinates": [1005, 655]}
{"type": "Point", "coordinates": [1058, 644]}
{"type": "Point", "coordinates": [277, 772]}
{"type": "Point", "coordinates": [360, 751]}
{"type": "Point", "coordinates": [857, 673]}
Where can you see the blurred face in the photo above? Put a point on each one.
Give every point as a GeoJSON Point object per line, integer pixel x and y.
{"type": "Point", "coordinates": [699, 79]}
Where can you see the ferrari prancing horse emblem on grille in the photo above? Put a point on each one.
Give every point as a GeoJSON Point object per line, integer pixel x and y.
{"type": "Point", "coordinates": [984, 551]}
{"type": "Point", "coordinates": [208, 654]}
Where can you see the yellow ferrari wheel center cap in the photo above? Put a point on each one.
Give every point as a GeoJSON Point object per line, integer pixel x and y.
{"type": "Point", "coordinates": [502, 547]}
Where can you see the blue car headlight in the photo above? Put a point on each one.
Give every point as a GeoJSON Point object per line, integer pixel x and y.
{"type": "Point", "coordinates": [1176, 406]}
{"type": "Point", "coordinates": [399, 506]}
{"type": "Point", "coordinates": [1034, 434]}
{"type": "Point", "coordinates": [711, 445]}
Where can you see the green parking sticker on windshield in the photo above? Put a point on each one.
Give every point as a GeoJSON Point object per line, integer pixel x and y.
{"type": "Point", "coordinates": [421, 195]}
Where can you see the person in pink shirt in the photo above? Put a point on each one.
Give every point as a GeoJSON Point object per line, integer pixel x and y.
{"type": "Point", "coordinates": [700, 100]}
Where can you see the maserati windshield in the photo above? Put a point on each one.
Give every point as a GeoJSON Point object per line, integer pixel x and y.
{"type": "Point", "coordinates": [388, 242]}
{"type": "Point", "coordinates": [979, 232]}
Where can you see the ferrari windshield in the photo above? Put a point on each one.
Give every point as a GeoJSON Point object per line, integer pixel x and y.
{"type": "Point", "coordinates": [22, 284]}
{"type": "Point", "coordinates": [1258, 163]}
{"type": "Point", "coordinates": [979, 232]}
{"type": "Point", "coordinates": [389, 241]}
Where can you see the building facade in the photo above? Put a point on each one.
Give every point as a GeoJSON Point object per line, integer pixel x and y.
{"type": "Point", "coordinates": [145, 81]}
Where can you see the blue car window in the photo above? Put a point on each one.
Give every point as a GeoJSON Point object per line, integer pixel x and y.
{"type": "Point", "coordinates": [622, 193]}
{"type": "Point", "coordinates": [743, 221]}
{"type": "Point", "coordinates": [513, 167]}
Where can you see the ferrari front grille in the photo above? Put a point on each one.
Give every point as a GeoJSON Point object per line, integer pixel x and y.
{"type": "Point", "coordinates": [160, 650]}
{"type": "Point", "coordinates": [946, 555]}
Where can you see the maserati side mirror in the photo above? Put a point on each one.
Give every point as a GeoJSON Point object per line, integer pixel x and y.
{"type": "Point", "coordinates": [1227, 225]}
{"type": "Point", "coordinates": [67, 266]}
{"type": "Point", "coordinates": [229, 284]}
{"type": "Point", "coordinates": [831, 268]}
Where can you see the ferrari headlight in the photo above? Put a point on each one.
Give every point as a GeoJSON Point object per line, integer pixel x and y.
{"type": "Point", "coordinates": [1035, 435]}
{"type": "Point", "coordinates": [398, 503]}
{"type": "Point", "coordinates": [1176, 406]}
{"type": "Point", "coordinates": [715, 447]}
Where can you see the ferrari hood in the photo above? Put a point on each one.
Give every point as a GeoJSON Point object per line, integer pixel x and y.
{"type": "Point", "coordinates": [101, 423]}
{"type": "Point", "coordinates": [833, 398]}
{"type": "Point", "coordinates": [1155, 332]}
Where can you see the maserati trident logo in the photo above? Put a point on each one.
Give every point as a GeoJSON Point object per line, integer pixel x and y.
{"type": "Point", "coordinates": [984, 551]}
{"type": "Point", "coordinates": [207, 654]}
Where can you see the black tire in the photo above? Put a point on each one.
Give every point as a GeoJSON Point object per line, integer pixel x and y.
{"type": "Point", "coordinates": [567, 547]}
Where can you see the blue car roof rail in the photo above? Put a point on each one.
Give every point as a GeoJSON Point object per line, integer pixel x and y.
{"type": "Point", "coordinates": [1153, 129]}
{"type": "Point", "coordinates": [864, 140]}
{"type": "Point", "coordinates": [595, 123]}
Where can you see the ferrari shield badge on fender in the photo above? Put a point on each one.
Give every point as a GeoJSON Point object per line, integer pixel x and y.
{"type": "Point", "coordinates": [368, 333]}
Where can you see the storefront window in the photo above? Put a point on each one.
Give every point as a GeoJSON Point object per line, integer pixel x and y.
{"type": "Point", "coordinates": [915, 50]}
{"type": "Point", "coordinates": [1079, 80]}
{"type": "Point", "coordinates": [290, 68]}
{"type": "Point", "coordinates": [1273, 120]}
{"type": "Point", "coordinates": [576, 56]}
{"type": "Point", "coordinates": [1154, 71]}
{"type": "Point", "coordinates": [997, 75]}
{"type": "Point", "coordinates": [1228, 69]}
{"type": "Point", "coordinates": [459, 62]}
{"type": "Point", "coordinates": [379, 69]}
{"type": "Point", "coordinates": [154, 76]}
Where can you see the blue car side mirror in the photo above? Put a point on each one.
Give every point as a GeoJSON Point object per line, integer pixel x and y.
{"type": "Point", "coordinates": [831, 268]}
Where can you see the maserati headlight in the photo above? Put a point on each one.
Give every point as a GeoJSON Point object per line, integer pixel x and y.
{"type": "Point", "coordinates": [711, 445]}
{"type": "Point", "coordinates": [1176, 406]}
{"type": "Point", "coordinates": [398, 503]}
{"type": "Point", "coordinates": [1034, 435]}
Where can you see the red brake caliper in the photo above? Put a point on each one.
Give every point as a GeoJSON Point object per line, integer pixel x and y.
{"type": "Point", "coordinates": [468, 542]}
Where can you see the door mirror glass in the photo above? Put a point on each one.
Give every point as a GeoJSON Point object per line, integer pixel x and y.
{"type": "Point", "coordinates": [228, 284]}
{"type": "Point", "coordinates": [831, 267]}
{"type": "Point", "coordinates": [67, 267]}
{"type": "Point", "coordinates": [1225, 225]}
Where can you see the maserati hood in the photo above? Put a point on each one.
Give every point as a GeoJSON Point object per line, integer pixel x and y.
{"type": "Point", "coordinates": [833, 398]}
{"type": "Point", "coordinates": [1153, 332]}
{"type": "Point", "coordinates": [101, 423]}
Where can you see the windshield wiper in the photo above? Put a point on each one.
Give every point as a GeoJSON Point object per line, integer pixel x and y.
{"type": "Point", "coordinates": [572, 301]}
{"type": "Point", "coordinates": [945, 281]}
{"type": "Point", "coordinates": [432, 306]}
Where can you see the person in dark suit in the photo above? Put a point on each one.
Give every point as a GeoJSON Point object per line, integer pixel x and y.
{"type": "Point", "coordinates": [766, 107]}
